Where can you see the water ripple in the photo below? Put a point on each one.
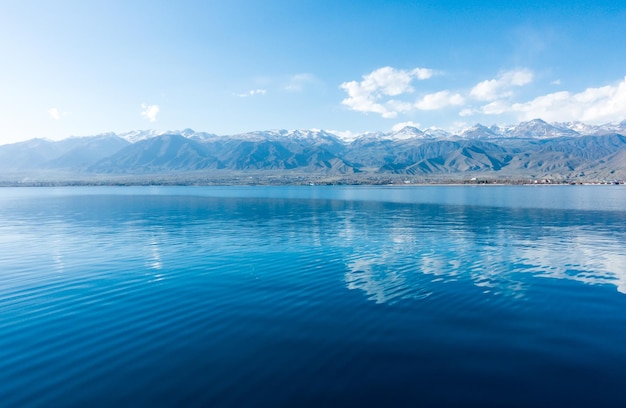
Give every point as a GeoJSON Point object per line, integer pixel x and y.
{"type": "Point", "coordinates": [103, 297]}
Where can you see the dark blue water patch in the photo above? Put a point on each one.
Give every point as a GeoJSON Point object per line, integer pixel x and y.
{"type": "Point", "coordinates": [160, 299]}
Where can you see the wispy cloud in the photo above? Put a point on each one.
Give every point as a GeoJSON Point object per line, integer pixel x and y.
{"type": "Point", "coordinates": [466, 112]}
{"type": "Point", "coordinates": [298, 82]}
{"type": "Point", "coordinates": [149, 111]}
{"type": "Point", "coordinates": [252, 92]}
{"type": "Point", "coordinates": [57, 114]}
{"type": "Point", "coordinates": [54, 113]}
{"type": "Point", "coordinates": [373, 93]}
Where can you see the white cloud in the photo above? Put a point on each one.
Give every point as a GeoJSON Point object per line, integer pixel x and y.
{"type": "Point", "coordinates": [439, 100]}
{"type": "Point", "coordinates": [386, 91]}
{"type": "Point", "coordinates": [252, 92]}
{"type": "Point", "coordinates": [501, 87]}
{"type": "Point", "coordinates": [593, 105]}
{"type": "Point", "coordinates": [556, 82]}
{"type": "Point", "coordinates": [149, 111]}
{"type": "Point", "coordinates": [372, 92]}
{"type": "Point", "coordinates": [402, 125]}
{"type": "Point", "coordinates": [298, 82]}
{"type": "Point", "coordinates": [394, 105]}
{"type": "Point", "coordinates": [54, 113]}
{"type": "Point", "coordinates": [423, 73]}
{"type": "Point", "coordinates": [496, 108]}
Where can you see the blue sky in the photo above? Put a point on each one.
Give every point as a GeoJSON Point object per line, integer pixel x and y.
{"type": "Point", "coordinates": [87, 67]}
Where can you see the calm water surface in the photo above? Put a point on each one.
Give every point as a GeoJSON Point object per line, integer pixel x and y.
{"type": "Point", "coordinates": [313, 296]}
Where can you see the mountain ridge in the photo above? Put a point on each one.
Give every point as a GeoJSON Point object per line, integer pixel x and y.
{"type": "Point", "coordinates": [535, 128]}
{"type": "Point", "coordinates": [532, 149]}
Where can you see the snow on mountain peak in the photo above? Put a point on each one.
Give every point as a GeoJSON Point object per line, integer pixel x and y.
{"type": "Point", "coordinates": [407, 132]}
{"type": "Point", "coordinates": [138, 135]}
{"type": "Point", "coordinates": [536, 128]}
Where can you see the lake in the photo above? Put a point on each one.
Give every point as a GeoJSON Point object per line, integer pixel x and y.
{"type": "Point", "coordinates": [313, 296]}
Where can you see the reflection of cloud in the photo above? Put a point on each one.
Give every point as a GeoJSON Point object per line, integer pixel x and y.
{"type": "Point", "coordinates": [154, 258]}
{"type": "Point", "coordinates": [414, 262]}
{"type": "Point", "coordinates": [436, 266]}
{"type": "Point", "coordinates": [382, 283]}
{"type": "Point", "coordinates": [58, 258]}
{"type": "Point", "coordinates": [390, 273]}
{"type": "Point", "coordinates": [587, 257]}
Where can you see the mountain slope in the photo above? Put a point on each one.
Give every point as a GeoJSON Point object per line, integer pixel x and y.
{"type": "Point", "coordinates": [521, 151]}
{"type": "Point", "coordinates": [164, 153]}
{"type": "Point", "coordinates": [70, 154]}
{"type": "Point", "coordinates": [87, 152]}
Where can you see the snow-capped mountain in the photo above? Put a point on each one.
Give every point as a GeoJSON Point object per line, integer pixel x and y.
{"type": "Point", "coordinates": [135, 136]}
{"type": "Point", "coordinates": [407, 132]}
{"type": "Point", "coordinates": [533, 129]}
{"type": "Point", "coordinates": [586, 129]}
{"type": "Point", "coordinates": [539, 129]}
{"type": "Point", "coordinates": [567, 150]}
{"type": "Point", "coordinates": [138, 135]}
{"type": "Point", "coordinates": [479, 131]}
{"type": "Point", "coordinates": [283, 134]}
{"type": "Point", "coordinates": [437, 133]}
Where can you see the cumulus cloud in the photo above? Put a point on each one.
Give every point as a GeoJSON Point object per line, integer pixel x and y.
{"type": "Point", "coordinates": [373, 92]}
{"type": "Point", "coordinates": [252, 92]}
{"type": "Point", "coordinates": [149, 111]}
{"type": "Point", "coordinates": [386, 91]}
{"type": "Point", "coordinates": [501, 87]}
{"type": "Point", "coordinates": [439, 100]}
{"type": "Point", "coordinates": [593, 105]}
{"type": "Point", "coordinates": [54, 113]}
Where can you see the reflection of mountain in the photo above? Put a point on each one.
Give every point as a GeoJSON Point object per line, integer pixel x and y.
{"type": "Point", "coordinates": [499, 251]}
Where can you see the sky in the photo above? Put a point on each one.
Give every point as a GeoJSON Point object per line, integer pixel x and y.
{"type": "Point", "coordinates": [78, 68]}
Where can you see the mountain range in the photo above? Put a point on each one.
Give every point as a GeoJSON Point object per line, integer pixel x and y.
{"type": "Point", "coordinates": [529, 150]}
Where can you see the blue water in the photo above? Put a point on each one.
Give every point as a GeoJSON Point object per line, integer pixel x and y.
{"type": "Point", "coordinates": [313, 296]}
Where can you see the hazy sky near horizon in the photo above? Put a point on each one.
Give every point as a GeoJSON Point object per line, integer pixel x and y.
{"type": "Point", "coordinates": [88, 67]}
